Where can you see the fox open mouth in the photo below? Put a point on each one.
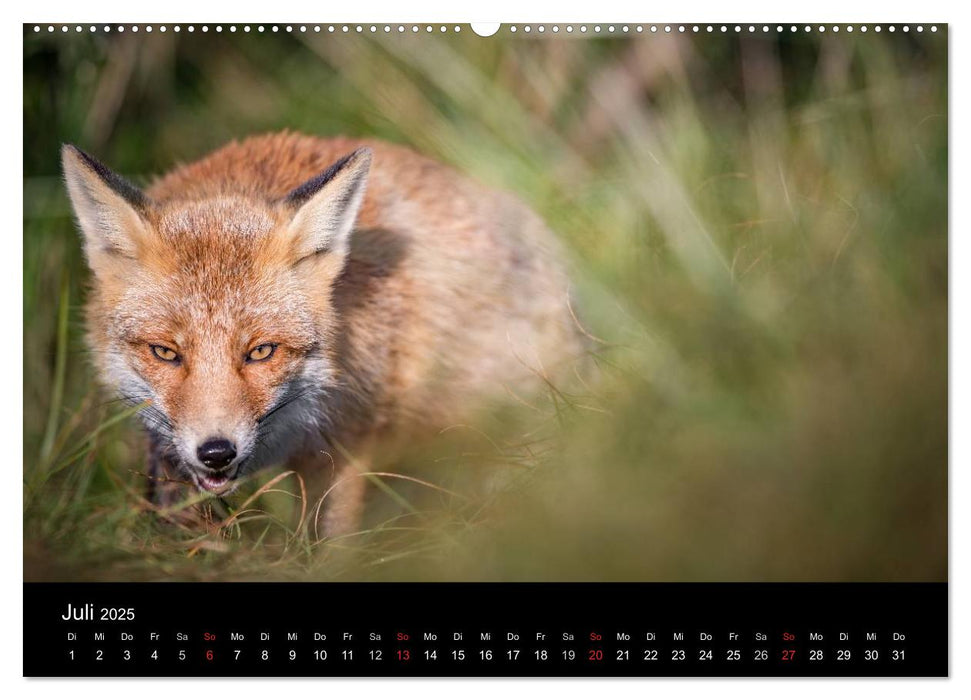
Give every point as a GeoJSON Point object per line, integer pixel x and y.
{"type": "Point", "coordinates": [216, 483]}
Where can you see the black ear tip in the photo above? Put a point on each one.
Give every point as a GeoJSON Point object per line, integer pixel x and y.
{"type": "Point", "coordinates": [69, 149]}
{"type": "Point", "coordinates": [72, 150]}
{"type": "Point", "coordinates": [73, 157]}
{"type": "Point", "coordinates": [362, 156]}
{"type": "Point", "coordinates": [358, 157]}
{"type": "Point", "coordinates": [117, 183]}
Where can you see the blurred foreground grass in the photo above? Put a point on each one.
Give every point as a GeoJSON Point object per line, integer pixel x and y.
{"type": "Point", "coordinates": [758, 230]}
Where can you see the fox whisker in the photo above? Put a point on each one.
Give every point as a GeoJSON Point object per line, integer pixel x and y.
{"type": "Point", "coordinates": [286, 402]}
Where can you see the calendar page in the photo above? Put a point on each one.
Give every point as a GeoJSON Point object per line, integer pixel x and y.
{"type": "Point", "coordinates": [552, 349]}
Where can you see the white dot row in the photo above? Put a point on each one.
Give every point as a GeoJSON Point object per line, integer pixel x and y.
{"type": "Point", "coordinates": [709, 28]}
{"type": "Point", "coordinates": [527, 29]}
{"type": "Point", "coordinates": [247, 28]}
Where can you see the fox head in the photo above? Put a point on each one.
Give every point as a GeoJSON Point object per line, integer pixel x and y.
{"type": "Point", "coordinates": [215, 314]}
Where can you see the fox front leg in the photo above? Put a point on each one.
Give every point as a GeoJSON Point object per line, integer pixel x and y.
{"type": "Point", "coordinates": [336, 486]}
{"type": "Point", "coordinates": [167, 488]}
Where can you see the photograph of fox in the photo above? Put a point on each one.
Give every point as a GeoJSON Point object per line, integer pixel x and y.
{"type": "Point", "coordinates": [286, 296]}
{"type": "Point", "coordinates": [622, 305]}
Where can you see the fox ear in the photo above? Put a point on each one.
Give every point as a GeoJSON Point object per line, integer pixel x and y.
{"type": "Point", "coordinates": [108, 207]}
{"type": "Point", "coordinates": [326, 206]}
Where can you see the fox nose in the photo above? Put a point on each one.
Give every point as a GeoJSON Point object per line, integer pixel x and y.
{"type": "Point", "coordinates": [217, 453]}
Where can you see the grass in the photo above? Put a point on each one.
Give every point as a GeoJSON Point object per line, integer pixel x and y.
{"type": "Point", "coordinates": [758, 234]}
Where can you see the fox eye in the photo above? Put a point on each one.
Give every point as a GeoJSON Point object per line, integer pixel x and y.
{"type": "Point", "coordinates": [165, 354]}
{"type": "Point", "coordinates": [261, 352]}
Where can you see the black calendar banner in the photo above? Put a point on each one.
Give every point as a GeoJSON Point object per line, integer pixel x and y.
{"type": "Point", "coordinates": [485, 629]}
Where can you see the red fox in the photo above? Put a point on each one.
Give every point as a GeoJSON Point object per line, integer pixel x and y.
{"type": "Point", "coordinates": [287, 295]}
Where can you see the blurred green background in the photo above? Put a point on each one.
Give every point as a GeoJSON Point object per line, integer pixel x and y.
{"type": "Point", "coordinates": [757, 228]}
